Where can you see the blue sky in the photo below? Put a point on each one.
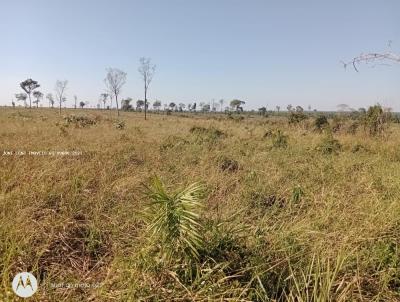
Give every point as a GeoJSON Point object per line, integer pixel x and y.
{"type": "Point", "coordinates": [263, 52]}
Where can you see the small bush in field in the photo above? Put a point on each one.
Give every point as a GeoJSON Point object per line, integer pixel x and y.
{"type": "Point", "coordinates": [321, 123]}
{"type": "Point", "coordinates": [279, 139]}
{"type": "Point", "coordinates": [329, 145]}
{"type": "Point", "coordinates": [296, 117]}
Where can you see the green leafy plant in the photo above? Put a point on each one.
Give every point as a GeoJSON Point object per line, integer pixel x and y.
{"type": "Point", "coordinates": [173, 220]}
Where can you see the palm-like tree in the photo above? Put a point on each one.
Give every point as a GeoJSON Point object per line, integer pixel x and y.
{"type": "Point", "coordinates": [173, 220]}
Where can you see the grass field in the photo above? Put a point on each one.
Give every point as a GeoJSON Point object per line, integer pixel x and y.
{"type": "Point", "coordinates": [285, 216]}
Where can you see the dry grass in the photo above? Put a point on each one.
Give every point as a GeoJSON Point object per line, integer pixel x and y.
{"type": "Point", "coordinates": [75, 218]}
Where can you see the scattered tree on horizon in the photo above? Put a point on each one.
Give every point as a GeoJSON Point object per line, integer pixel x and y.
{"type": "Point", "coordinates": [21, 97]}
{"type": "Point", "coordinates": [76, 100]}
{"type": "Point", "coordinates": [157, 105]}
{"type": "Point", "coordinates": [278, 108]}
{"type": "Point", "coordinates": [29, 86]}
{"type": "Point", "coordinates": [236, 104]}
{"type": "Point", "coordinates": [114, 81]}
{"type": "Point", "coordinates": [60, 91]}
{"type": "Point", "coordinates": [49, 96]}
{"type": "Point", "coordinates": [147, 70]}
{"type": "Point", "coordinates": [82, 104]}
{"type": "Point", "coordinates": [126, 104]}
{"type": "Point", "coordinates": [38, 96]}
{"type": "Point", "coordinates": [221, 103]}
{"type": "Point", "coordinates": [103, 98]}
{"type": "Point", "coordinates": [139, 105]}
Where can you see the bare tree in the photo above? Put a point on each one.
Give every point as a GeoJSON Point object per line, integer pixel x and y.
{"type": "Point", "coordinates": [76, 100]}
{"type": "Point", "coordinates": [147, 70]}
{"type": "Point", "coordinates": [374, 57]}
{"type": "Point", "coordinates": [114, 81]}
{"type": "Point", "coordinates": [60, 90]}
{"type": "Point", "coordinates": [49, 96]}
{"type": "Point", "coordinates": [221, 103]}
{"type": "Point", "coordinates": [103, 99]}
{"type": "Point", "coordinates": [29, 86]}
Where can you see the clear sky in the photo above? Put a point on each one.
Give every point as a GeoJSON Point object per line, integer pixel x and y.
{"type": "Point", "coordinates": [263, 52]}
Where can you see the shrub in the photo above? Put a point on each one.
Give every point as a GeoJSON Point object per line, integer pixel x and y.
{"type": "Point", "coordinates": [320, 123]}
{"type": "Point", "coordinates": [279, 139]}
{"type": "Point", "coordinates": [329, 145]}
{"type": "Point", "coordinates": [210, 135]}
{"type": "Point", "coordinates": [296, 117]}
{"type": "Point", "coordinates": [81, 121]}
{"type": "Point", "coordinates": [376, 120]}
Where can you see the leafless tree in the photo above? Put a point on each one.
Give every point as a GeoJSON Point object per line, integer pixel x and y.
{"type": "Point", "coordinates": [49, 96]}
{"type": "Point", "coordinates": [76, 101]}
{"type": "Point", "coordinates": [147, 70]}
{"type": "Point", "coordinates": [103, 99]}
{"type": "Point", "coordinates": [373, 57]}
{"type": "Point", "coordinates": [60, 90]}
{"type": "Point", "coordinates": [114, 81]}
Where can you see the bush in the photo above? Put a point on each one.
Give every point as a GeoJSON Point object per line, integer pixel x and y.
{"type": "Point", "coordinates": [81, 121]}
{"type": "Point", "coordinates": [321, 123]}
{"type": "Point", "coordinates": [329, 145]}
{"type": "Point", "coordinates": [376, 120]}
{"type": "Point", "coordinates": [296, 117]}
{"type": "Point", "coordinates": [279, 139]}
{"type": "Point", "coordinates": [210, 135]}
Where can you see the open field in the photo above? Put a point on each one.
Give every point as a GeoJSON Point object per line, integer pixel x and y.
{"type": "Point", "coordinates": [284, 217]}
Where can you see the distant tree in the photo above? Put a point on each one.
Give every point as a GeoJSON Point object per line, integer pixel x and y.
{"type": "Point", "coordinates": [49, 96]}
{"type": "Point", "coordinates": [38, 96]}
{"type": "Point", "coordinates": [262, 111]}
{"type": "Point", "coordinates": [157, 105]}
{"type": "Point", "coordinates": [299, 109]}
{"type": "Point", "coordinates": [278, 108]}
{"type": "Point", "coordinates": [343, 107]}
{"type": "Point", "coordinates": [82, 104]}
{"type": "Point", "coordinates": [172, 105]}
{"type": "Point", "coordinates": [236, 104]}
{"type": "Point", "coordinates": [289, 107]}
{"type": "Point", "coordinates": [206, 108]}
{"type": "Point", "coordinates": [60, 91]}
{"type": "Point", "coordinates": [193, 107]}
{"type": "Point", "coordinates": [76, 100]}
{"type": "Point", "coordinates": [221, 103]}
{"type": "Point", "coordinates": [181, 106]}
{"type": "Point", "coordinates": [309, 107]}
{"type": "Point", "coordinates": [126, 104]}
{"type": "Point", "coordinates": [139, 105]}
{"type": "Point", "coordinates": [147, 70]}
{"type": "Point", "coordinates": [103, 99]}
{"type": "Point", "coordinates": [114, 81]}
{"type": "Point", "coordinates": [13, 103]}
{"type": "Point", "coordinates": [29, 86]}
{"type": "Point", "coordinates": [21, 97]}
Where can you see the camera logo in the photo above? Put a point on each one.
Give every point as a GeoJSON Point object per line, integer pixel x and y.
{"type": "Point", "coordinates": [24, 285]}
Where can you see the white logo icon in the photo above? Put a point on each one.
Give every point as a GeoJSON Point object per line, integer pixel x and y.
{"type": "Point", "coordinates": [24, 285]}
